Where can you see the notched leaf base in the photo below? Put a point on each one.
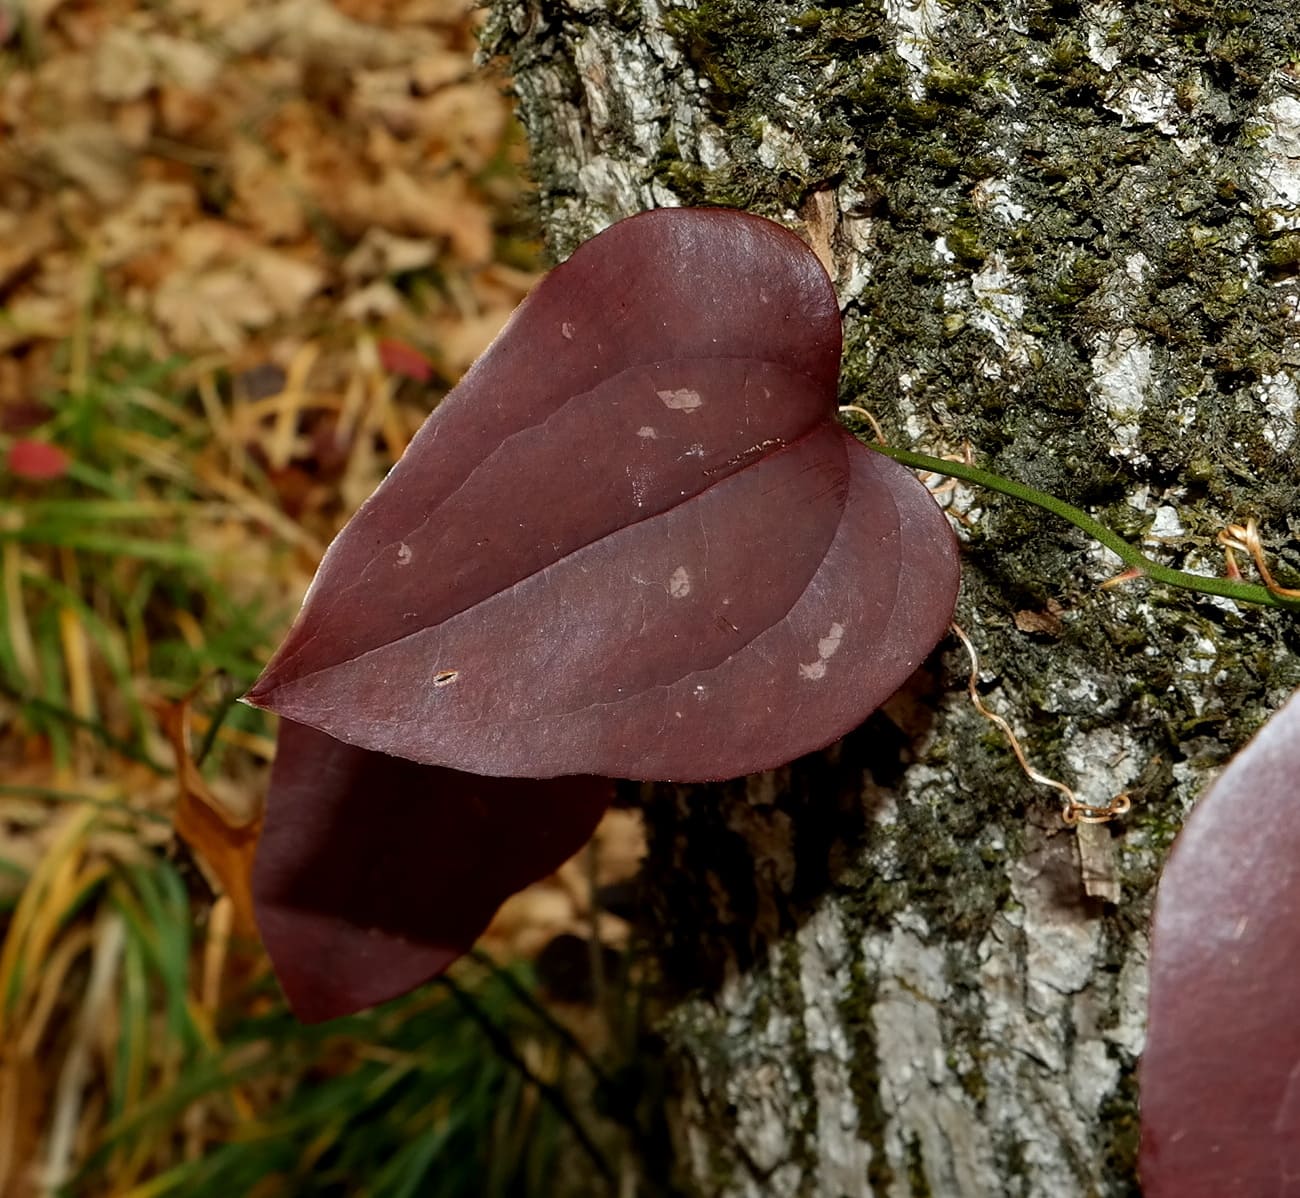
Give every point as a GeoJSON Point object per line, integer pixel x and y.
{"type": "Point", "coordinates": [633, 541]}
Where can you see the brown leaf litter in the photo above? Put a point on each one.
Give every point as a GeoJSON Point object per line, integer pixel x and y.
{"type": "Point", "coordinates": [308, 203]}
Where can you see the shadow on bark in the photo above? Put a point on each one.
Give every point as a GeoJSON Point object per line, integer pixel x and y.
{"type": "Point", "coordinates": [752, 857]}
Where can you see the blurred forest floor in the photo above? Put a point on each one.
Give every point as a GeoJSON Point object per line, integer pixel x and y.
{"type": "Point", "coordinates": [245, 246]}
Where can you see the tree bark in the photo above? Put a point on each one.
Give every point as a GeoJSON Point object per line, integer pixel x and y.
{"type": "Point", "coordinates": [1066, 234]}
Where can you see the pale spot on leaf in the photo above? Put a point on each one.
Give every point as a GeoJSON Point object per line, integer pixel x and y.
{"type": "Point", "coordinates": [404, 554]}
{"type": "Point", "coordinates": [639, 481]}
{"type": "Point", "coordinates": [647, 433]}
{"type": "Point", "coordinates": [827, 647]}
{"type": "Point", "coordinates": [679, 584]}
{"type": "Point", "coordinates": [830, 642]}
{"type": "Point", "coordinates": [681, 400]}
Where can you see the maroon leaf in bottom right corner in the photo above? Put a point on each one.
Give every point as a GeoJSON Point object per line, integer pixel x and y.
{"type": "Point", "coordinates": [374, 873]}
{"type": "Point", "coordinates": [1220, 1076]}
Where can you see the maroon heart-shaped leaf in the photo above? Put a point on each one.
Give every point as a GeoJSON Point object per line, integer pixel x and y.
{"type": "Point", "coordinates": [373, 874]}
{"type": "Point", "coordinates": [1220, 1076]}
{"type": "Point", "coordinates": [633, 541]}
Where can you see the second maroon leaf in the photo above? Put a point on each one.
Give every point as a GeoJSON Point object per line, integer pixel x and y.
{"type": "Point", "coordinates": [373, 874]}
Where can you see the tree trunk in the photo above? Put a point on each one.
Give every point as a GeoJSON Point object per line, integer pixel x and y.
{"type": "Point", "coordinates": [1066, 234]}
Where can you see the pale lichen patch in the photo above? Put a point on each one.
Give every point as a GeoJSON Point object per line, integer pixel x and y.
{"type": "Point", "coordinates": [1280, 400]}
{"type": "Point", "coordinates": [1121, 375]}
{"type": "Point", "coordinates": [916, 23]}
{"type": "Point", "coordinates": [998, 309]}
{"type": "Point", "coordinates": [1145, 99]}
{"type": "Point", "coordinates": [843, 1157]}
{"type": "Point", "coordinates": [996, 196]}
{"type": "Point", "coordinates": [1102, 49]}
{"type": "Point", "coordinates": [1279, 172]}
{"type": "Point", "coordinates": [778, 149]}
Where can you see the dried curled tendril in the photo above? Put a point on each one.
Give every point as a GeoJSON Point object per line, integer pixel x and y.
{"type": "Point", "coordinates": [1244, 538]}
{"type": "Point", "coordinates": [1138, 565]}
{"type": "Point", "coordinates": [1236, 538]}
{"type": "Point", "coordinates": [1073, 811]}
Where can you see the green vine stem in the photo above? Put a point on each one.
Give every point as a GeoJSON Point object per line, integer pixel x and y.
{"type": "Point", "coordinates": [1130, 555]}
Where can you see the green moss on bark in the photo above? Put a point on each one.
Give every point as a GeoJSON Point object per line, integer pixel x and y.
{"type": "Point", "coordinates": [811, 97]}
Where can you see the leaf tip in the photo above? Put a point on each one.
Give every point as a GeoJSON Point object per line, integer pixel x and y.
{"type": "Point", "coordinates": [261, 693]}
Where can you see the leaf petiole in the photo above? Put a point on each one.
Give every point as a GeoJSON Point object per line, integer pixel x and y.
{"type": "Point", "coordinates": [1130, 555]}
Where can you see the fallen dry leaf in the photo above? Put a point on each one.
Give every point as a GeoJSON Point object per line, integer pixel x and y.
{"type": "Point", "coordinates": [90, 155]}
{"type": "Point", "coordinates": [123, 67]}
{"type": "Point", "coordinates": [265, 198]}
{"type": "Point", "coordinates": [37, 461]}
{"type": "Point", "coordinates": [376, 302]}
{"type": "Point", "coordinates": [315, 32]}
{"type": "Point", "coordinates": [227, 852]}
{"type": "Point", "coordinates": [226, 284]}
{"type": "Point", "coordinates": [24, 237]}
{"type": "Point", "coordinates": [381, 253]}
{"type": "Point", "coordinates": [427, 207]}
{"type": "Point", "coordinates": [404, 360]}
{"type": "Point", "coordinates": [193, 177]}
{"type": "Point", "coordinates": [1045, 623]}
{"type": "Point", "coordinates": [151, 220]}
{"type": "Point", "coordinates": [37, 318]}
{"type": "Point", "coordinates": [222, 836]}
{"type": "Point", "coordinates": [183, 62]}
{"type": "Point", "coordinates": [464, 338]}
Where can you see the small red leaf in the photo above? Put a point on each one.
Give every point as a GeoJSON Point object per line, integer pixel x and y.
{"type": "Point", "coordinates": [634, 540]}
{"type": "Point", "coordinates": [374, 874]}
{"type": "Point", "coordinates": [1220, 1076]}
{"type": "Point", "coordinates": [398, 358]}
{"type": "Point", "coordinates": [38, 461]}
